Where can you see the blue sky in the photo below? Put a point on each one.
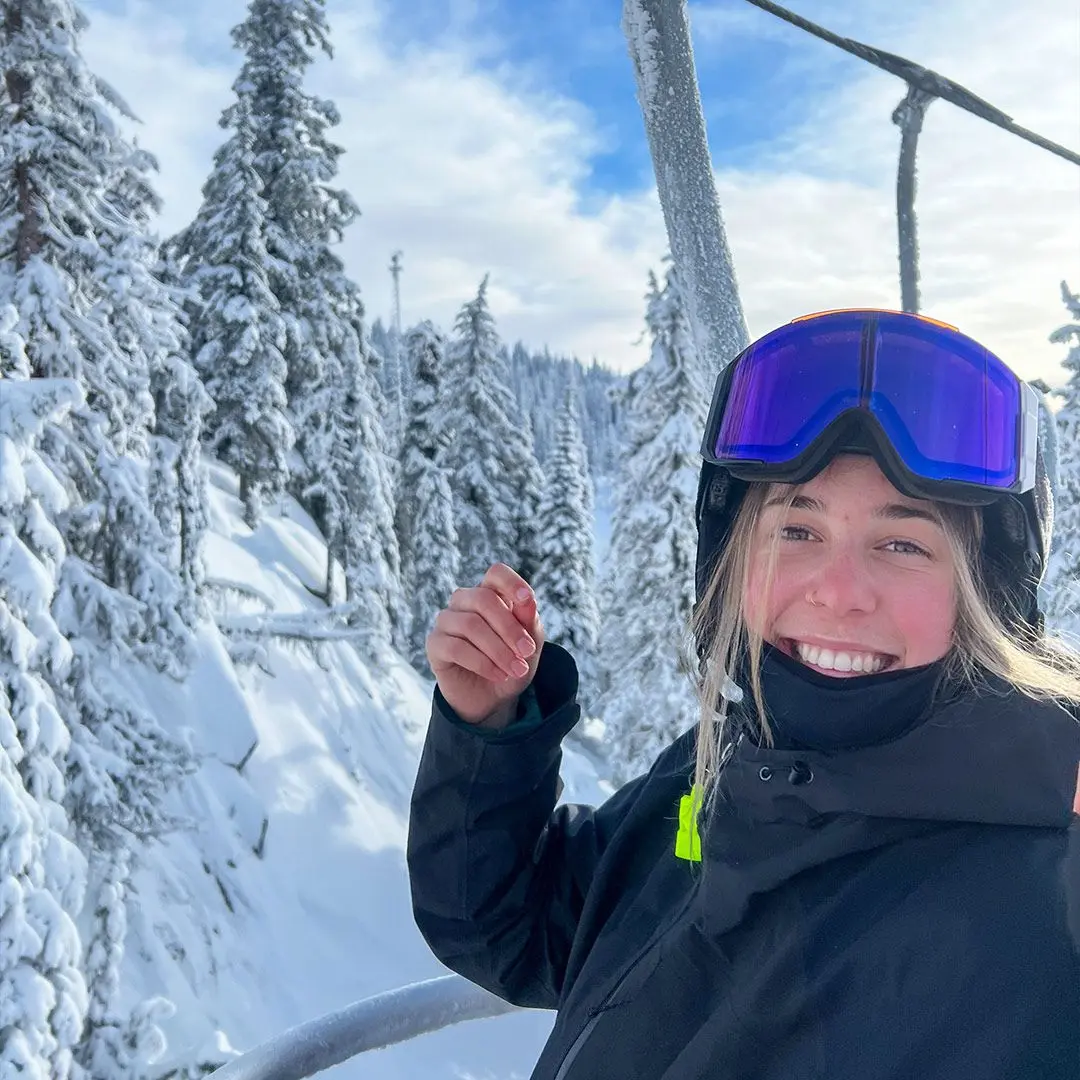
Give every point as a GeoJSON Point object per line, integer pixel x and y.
{"type": "Point", "coordinates": [758, 75]}
{"type": "Point", "coordinates": [503, 137]}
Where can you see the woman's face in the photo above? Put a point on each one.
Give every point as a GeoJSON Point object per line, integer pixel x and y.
{"type": "Point", "coordinates": [864, 577]}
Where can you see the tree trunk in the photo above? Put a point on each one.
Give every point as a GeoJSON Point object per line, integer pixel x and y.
{"type": "Point", "coordinates": [28, 237]}
{"type": "Point", "coordinates": [658, 34]}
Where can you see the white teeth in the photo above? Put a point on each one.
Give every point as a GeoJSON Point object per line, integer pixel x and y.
{"type": "Point", "coordinates": [868, 663]}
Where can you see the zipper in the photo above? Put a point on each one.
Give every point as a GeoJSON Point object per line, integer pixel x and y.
{"type": "Point", "coordinates": [577, 1044]}
{"type": "Point", "coordinates": [598, 1011]}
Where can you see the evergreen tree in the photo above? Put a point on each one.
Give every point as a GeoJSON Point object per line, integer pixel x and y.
{"type": "Point", "coordinates": [179, 490]}
{"type": "Point", "coordinates": [1063, 572]}
{"type": "Point", "coordinates": [77, 268]}
{"type": "Point", "coordinates": [352, 493]}
{"type": "Point", "coordinates": [76, 262]}
{"type": "Point", "coordinates": [424, 520]}
{"type": "Point", "coordinates": [540, 382]}
{"type": "Point", "coordinates": [148, 313]}
{"type": "Point", "coordinates": [377, 494]}
{"type": "Point", "coordinates": [527, 486]}
{"type": "Point", "coordinates": [395, 384]}
{"type": "Point", "coordinates": [237, 330]}
{"type": "Point", "coordinates": [495, 487]}
{"type": "Point", "coordinates": [43, 998]}
{"type": "Point", "coordinates": [144, 314]}
{"type": "Point", "coordinates": [304, 216]}
{"type": "Point", "coordinates": [565, 578]}
{"type": "Point", "coordinates": [317, 379]}
{"type": "Point", "coordinates": [649, 592]}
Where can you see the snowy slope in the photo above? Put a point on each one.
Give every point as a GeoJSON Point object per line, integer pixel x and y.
{"type": "Point", "coordinates": [249, 934]}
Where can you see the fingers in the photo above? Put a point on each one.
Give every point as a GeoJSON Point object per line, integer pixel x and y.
{"type": "Point", "coordinates": [518, 595]}
{"type": "Point", "coordinates": [510, 586]}
{"type": "Point", "coordinates": [497, 614]}
{"type": "Point", "coordinates": [446, 651]}
{"type": "Point", "coordinates": [472, 627]}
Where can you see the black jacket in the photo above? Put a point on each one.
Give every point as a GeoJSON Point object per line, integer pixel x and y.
{"type": "Point", "coordinates": [910, 912]}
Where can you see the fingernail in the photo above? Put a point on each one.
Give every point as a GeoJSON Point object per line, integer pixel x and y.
{"type": "Point", "coordinates": [525, 646]}
{"type": "Point", "coordinates": [522, 594]}
{"type": "Point", "coordinates": [519, 669]}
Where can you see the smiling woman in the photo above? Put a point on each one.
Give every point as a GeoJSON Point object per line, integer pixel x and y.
{"type": "Point", "coordinates": [867, 867]}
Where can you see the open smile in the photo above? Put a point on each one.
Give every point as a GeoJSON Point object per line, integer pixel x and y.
{"type": "Point", "coordinates": [838, 661]}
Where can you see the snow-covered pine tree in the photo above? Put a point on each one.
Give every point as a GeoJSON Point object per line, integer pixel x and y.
{"type": "Point", "coordinates": [495, 487]}
{"type": "Point", "coordinates": [539, 382]}
{"type": "Point", "coordinates": [425, 352]}
{"type": "Point", "coordinates": [649, 591]}
{"type": "Point", "coordinates": [527, 485]}
{"type": "Point", "coordinates": [351, 493]}
{"type": "Point", "coordinates": [179, 490]}
{"type": "Point", "coordinates": [144, 315]}
{"type": "Point", "coordinates": [77, 275]}
{"type": "Point", "coordinates": [43, 997]}
{"type": "Point", "coordinates": [565, 579]}
{"type": "Point", "coordinates": [236, 327]}
{"type": "Point", "coordinates": [394, 382]}
{"type": "Point", "coordinates": [1063, 572]}
{"type": "Point", "coordinates": [333, 404]}
{"type": "Point", "coordinates": [145, 302]}
{"type": "Point", "coordinates": [296, 162]}
{"type": "Point", "coordinates": [425, 518]}
{"type": "Point", "coordinates": [376, 495]}
{"type": "Point", "coordinates": [63, 196]}
{"type": "Point", "coordinates": [436, 561]}
{"type": "Point", "coordinates": [114, 1046]}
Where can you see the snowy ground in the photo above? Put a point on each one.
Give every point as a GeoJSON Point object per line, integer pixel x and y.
{"type": "Point", "coordinates": [251, 932]}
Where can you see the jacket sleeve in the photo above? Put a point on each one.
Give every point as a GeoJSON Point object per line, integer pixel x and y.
{"type": "Point", "coordinates": [498, 875]}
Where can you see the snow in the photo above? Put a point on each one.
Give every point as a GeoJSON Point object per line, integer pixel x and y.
{"type": "Point", "coordinates": [287, 898]}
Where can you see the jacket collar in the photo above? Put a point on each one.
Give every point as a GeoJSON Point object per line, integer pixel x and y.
{"type": "Point", "coordinates": [991, 756]}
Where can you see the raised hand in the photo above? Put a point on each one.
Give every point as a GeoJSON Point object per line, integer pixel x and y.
{"type": "Point", "coordinates": [485, 647]}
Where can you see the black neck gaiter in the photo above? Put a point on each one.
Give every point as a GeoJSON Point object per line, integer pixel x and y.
{"type": "Point", "coordinates": [808, 710]}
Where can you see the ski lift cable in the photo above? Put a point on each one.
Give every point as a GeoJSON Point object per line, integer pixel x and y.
{"type": "Point", "coordinates": [921, 78]}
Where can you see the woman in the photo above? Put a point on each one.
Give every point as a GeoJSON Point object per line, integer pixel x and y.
{"type": "Point", "coordinates": [866, 864]}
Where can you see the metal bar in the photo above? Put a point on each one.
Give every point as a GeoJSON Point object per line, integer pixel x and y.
{"type": "Point", "coordinates": [658, 36]}
{"type": "Point", "coordinates": [924, 79]}
{"type": "Point", "coordinates": [909, 116]}
{"type": "Point", "coordinates": [371, 1024]}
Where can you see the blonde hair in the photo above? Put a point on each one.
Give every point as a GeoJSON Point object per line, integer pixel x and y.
{"type": "Point", "coordinates": [982, 640]}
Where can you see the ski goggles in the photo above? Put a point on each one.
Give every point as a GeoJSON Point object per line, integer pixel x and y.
{"type": "Point", "coordinates": [944, 417]}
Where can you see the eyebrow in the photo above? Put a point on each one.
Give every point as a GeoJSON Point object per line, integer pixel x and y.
{"type": "Point", "coordinates": [888, 511]}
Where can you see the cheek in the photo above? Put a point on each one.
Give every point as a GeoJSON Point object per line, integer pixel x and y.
{"type": "Point", "coordinates": [925, 618]}
{"type": "Point", "coordinates": [763, 601]}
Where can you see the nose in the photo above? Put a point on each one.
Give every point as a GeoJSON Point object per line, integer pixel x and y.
{"type": "Point", "coordinates": [843, 584]}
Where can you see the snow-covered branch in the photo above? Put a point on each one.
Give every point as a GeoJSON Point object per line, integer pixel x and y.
{"type": "Point", "coordinates": [291, 626]}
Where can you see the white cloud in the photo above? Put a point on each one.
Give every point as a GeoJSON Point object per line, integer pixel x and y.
{"type": "Point", "coordinates": [999, 219]}
{"type": "Point", "coordinates": [468, 174]}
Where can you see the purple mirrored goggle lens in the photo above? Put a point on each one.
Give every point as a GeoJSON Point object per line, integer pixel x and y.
{"type": "Point", "coordinates": [951, 410]}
